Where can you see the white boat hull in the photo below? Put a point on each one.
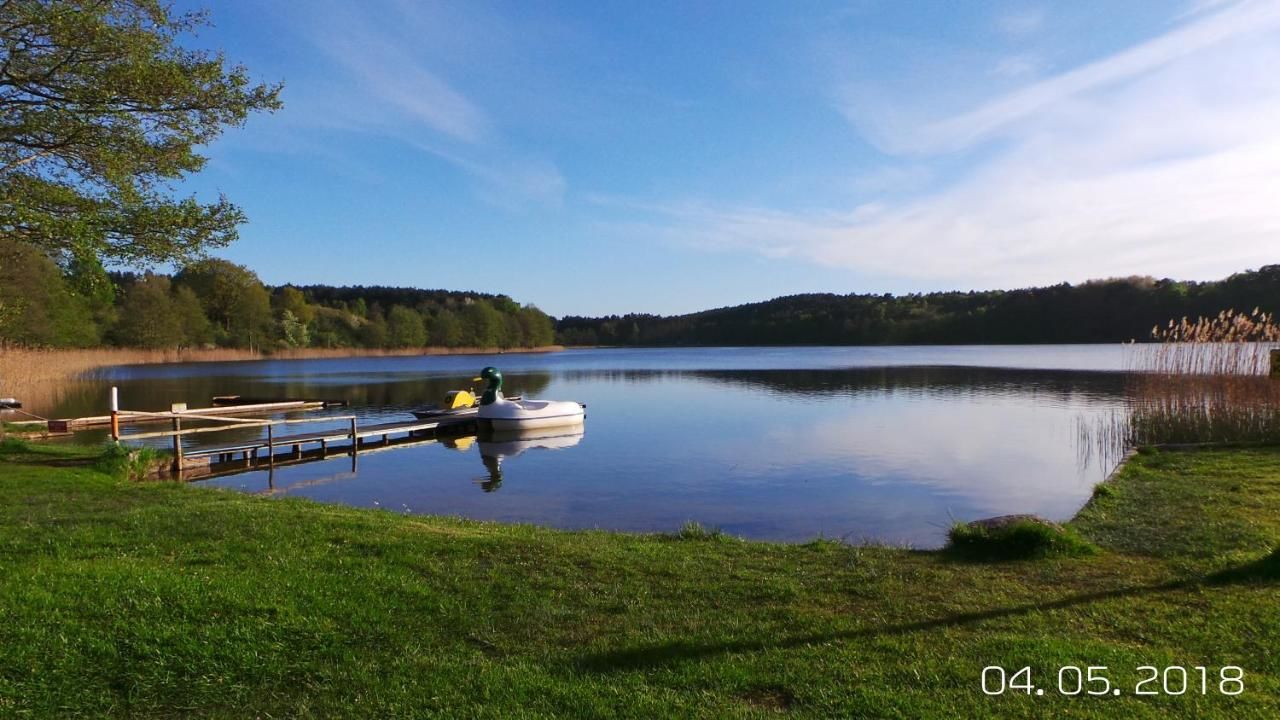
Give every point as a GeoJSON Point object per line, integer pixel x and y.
{"type": "Point", "coordinates": [531, 414]}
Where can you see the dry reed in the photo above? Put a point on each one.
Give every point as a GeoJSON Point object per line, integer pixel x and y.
{"type": "Point", "coordinates": [1205, 381]}
{"type": "Point", "coordinates": [42, 377]}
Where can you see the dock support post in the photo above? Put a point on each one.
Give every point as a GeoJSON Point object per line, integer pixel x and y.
{"type": "Point", "coordinates": [177, 445]}
{"type": "Point", "coordinates": [1275, 363]}
{"type": "Point", "coordinates": [115, 414]}
{"type": "Point", "coordinates": [324, 448]}
{"type": "Point", "coordinates": [355, 439]}
{"type": "Point", "coordinates": [271, 448]}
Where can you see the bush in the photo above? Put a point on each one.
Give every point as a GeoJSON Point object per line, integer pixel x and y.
{"type": "Point", "coordinates": [1019, 538]}
{"type": "Point", "coordinates": [694, 530]}
{"type": "Point", "coordinates": [125, 464]}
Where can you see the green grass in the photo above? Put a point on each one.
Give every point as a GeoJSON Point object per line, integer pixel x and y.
{"type": "Point", "coordinates": [160, 600]}
{"type": "Point", "coordinates": [1019, 540]}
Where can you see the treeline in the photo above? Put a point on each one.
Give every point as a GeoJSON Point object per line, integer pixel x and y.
{"type": "Point", "coordinates": [1114, 310]}
{"type": "Point", "coordinates": [215, 303]}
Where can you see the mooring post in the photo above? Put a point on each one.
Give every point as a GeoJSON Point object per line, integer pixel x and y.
{"type": "Point", "coordinates": [271, 448]}
{"type": "Point", "coordinates": [115, 413]}
{"type": "Point", "coordinates": [1275, 363]}
{"type": "Point", "coordinates": [355, 439]}
{"type": "Point", "coordinates": [177, 444]}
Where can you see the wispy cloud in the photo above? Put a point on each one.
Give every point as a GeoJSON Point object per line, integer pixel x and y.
{"type": "Point", "coordinates": [1161, 158]}
{"type": "Point", "coordinates": [395, 88]}
{"type": "Point", "coordinates": [1025, 21]}
{"type": "Point", "coordinates": [1246, 20]}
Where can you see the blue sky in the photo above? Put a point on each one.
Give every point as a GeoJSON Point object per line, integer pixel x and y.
{"type": "Point", "coordinates": [610, 157]}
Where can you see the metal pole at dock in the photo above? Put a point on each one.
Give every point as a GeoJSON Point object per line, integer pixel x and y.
{"type": "Point", "coordinates": [115, 414]}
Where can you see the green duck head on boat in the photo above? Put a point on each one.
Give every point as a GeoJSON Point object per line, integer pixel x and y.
{"type": "Point", "coordinates": [492, 376]}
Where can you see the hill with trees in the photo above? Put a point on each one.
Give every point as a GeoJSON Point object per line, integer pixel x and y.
{"type": "Point", "coordinates": [215, 303]}
{"type": "Point", "coordinates": [1113, 310]}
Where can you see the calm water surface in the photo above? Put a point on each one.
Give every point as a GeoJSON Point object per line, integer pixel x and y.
{"type": "Point", "coordinates": [887, 444]}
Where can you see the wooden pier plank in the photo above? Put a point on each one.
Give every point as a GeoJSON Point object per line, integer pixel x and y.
{"type": "Point", "coordinates": [334, 435]}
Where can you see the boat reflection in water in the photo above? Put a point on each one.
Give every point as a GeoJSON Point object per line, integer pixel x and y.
{"type": "Point", "coordinates": [501, 445]}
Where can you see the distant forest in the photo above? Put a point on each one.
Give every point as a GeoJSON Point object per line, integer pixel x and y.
{"type": "Point", "coordinates": [1114, 310]}
{"type": "Point", "coordinates": [215, 303]}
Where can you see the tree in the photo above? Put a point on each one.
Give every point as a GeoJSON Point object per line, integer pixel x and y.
{"type": "Point", "coordinates": [373, 333]}
{"type": "Point", "coordinates": [234, 299]}
{"type": "Point", "coordinates": [291, 299]}
{"type": "Point", "coordinates": [446, 329]}
{"type": "Point", "coordinates": [101, 109]}
{"type": "Point", "coordinates": [293, 331]}
{"type": "Point", "coordinates": [147, 316]}
{"type": "Point", "coordinates": [196, 330]}
{"type": "Point", "coordinates": [37, 306]}
{"type": "Point", "coordinates": [537, 329]}
{"type": "Point", "coordinates": [405, 328]}
{"type": "Point", "coordinates": [482, 325]}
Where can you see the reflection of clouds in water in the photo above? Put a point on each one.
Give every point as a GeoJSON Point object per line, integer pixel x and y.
{"type": "Point", "coordinates": [892, 453]}
{"type": "Point", "coordinates": [1002, 452]}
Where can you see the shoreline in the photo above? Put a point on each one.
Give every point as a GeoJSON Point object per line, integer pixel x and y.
{"type": "Point", "coordinates": [274, 599]}
{"type": "Point", "coordinates": [39, 376]}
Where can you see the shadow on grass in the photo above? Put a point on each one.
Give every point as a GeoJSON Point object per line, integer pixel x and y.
{"type": "Point", "coordinates": [1263, 571]}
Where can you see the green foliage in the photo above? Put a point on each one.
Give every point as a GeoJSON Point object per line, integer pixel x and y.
{"type": "Point", "coordinates": [482, 325]}
{"type": "Point", "coordinates": [104, 107]}
{"type": "Point", "coordinates": [294, 332]}
{"type": "Point", "coordinates": [196, 330]}
{"type": "Point", "coordinates": [694, 530]}
{"type": "Point", "coordinates": [125, 463]}
{"type": "Point", "coordinates": [1018, 540]}
{"type": "Point", "coordinates": [405, 328]}
{"type": "Point", "coordinates": [291, 299]}
{"type": "Point", "coordinates": [37, 305]}
{"type": "Point", "coordinates": [446, 329]}
{"type": "Point", "coordinates": [234, 300]}
{"type": "Point", "coordinates": [374, 332]}
{"type": "Point", "coordinates": [148, 318]}
{"type": "Point", "coordinates": [1116, 310]}
{"type": "Point", "coordinates": [216, 302]}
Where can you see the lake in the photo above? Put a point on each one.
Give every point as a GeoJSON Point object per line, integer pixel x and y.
{"type": "Point", "coordinates": [884, 444]}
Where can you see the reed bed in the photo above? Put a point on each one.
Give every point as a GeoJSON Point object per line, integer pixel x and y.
{"type": "Point", "coordinates": [1203, 381]}
{"type": "Point", "coordinates": [42, 377]}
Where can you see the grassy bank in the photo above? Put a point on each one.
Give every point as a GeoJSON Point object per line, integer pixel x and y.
{"type": "Point", "coordinates": [161, 599]}
{"type": "Point", "coordinates": [39, 376]}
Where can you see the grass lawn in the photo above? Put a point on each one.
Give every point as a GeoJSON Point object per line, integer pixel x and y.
{"type": "Point", "coordinates": [130, 599]}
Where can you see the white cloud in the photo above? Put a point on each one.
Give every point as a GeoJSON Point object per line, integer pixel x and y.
{"type": "Point", "coordinates": [1161, 159]}
{"type": "Point", "coordinates": [386, 70]}
{"type": "Point", "coordinates": [1243, 23]}
{"type": "Point", "coordinates": [393, 88]}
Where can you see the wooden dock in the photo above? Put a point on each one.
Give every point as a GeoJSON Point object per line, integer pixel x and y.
{"type": "Point", "coordinates": [133, 417]}
{"type": "Point", "coordinates": [337, 440]}
{"type": "Point", "coordinates": [348, 437]}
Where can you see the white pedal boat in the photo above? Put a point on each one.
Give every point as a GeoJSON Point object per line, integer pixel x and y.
{"type": "Point", "coordinates": [501, 413]}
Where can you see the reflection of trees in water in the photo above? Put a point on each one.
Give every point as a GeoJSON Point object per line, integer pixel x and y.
{"type": "Point", "coordinates": [934, 380]}
{"type": "Point", "coordinates": [376, 391]}
{"type": "Point", "coordinates": [421, 391]}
